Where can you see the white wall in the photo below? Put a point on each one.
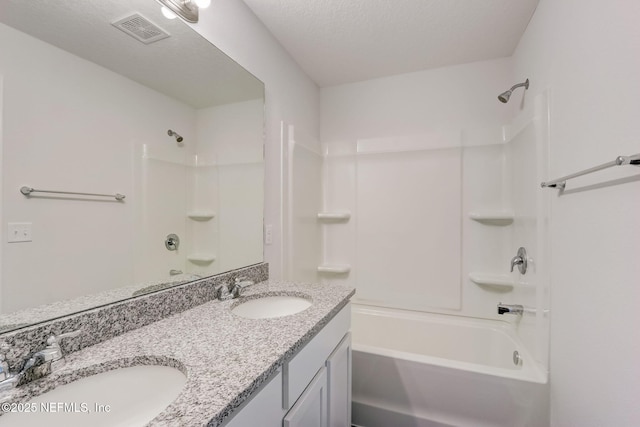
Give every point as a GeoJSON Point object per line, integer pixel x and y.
{"type": "Point", "coordinates": [587, 55]}
{"type": "Point", "coordinates": [291, 96]}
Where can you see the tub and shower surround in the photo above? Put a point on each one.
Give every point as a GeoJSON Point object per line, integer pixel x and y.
{"type": "Point", "coordinates": [215, 173]}
{"type": "Point", "coordinates": [424, 223]}
{"type": "Point", "coordinates": [412, 241]}
{"type": "Point", "coordinates": [441, 181]}
{"type": "Point", "coordinates": [301, 175]}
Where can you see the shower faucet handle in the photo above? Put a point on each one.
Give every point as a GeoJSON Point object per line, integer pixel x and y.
{"type": "Point", "coordinates": [520, 260]}
{"type": "Point", "coordinates": [172, 242]}
{"type": "Point", "coordinates": [516, 260]}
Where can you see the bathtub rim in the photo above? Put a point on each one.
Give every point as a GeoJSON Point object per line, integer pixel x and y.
{"type": "Point", "coordinates": [530, 371]}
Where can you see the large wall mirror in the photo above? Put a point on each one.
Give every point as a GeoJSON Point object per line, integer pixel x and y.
{"type": "Point", "coordinates": [156, 114]}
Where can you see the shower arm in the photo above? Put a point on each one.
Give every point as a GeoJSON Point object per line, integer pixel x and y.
{"type": "Point", "coordinates": [525, 84]}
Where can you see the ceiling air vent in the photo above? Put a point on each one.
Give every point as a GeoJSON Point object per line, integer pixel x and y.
{"type": "Point", "coordinates": [140, 28]}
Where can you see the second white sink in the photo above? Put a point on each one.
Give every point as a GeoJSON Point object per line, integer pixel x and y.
{"type": "Point", "coordinates": [124, 397]}
{"type": "Point", "coordinates": [267, 307]}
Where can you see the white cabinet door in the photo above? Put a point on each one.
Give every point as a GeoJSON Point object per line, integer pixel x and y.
{"type": "Point", "coordinates": [339, 384]}
{"type": "Point", "coordinates": [311, 408]}
{"type": "Point", "coordinates": [300, 370]}
{"type": "Point", "coordinates": [264, 409]}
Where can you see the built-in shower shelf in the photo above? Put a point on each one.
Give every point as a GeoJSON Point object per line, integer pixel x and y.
{"type": "Point", "coordinates": [495, 280]}
{"type": "Point", "coordinates": [334, 216]}
{"type": "Point", "coordinates": [492, 217]}
{"type": "Point", "coordinates": [201, 258]}
{"type": "Point", "coordinates": [201, 215]}
{"type": "Point", "coordinates": [334, 268]}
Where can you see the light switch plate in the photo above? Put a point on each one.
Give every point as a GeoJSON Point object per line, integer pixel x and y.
{"type": "Point", "coordinates": [268, 234]}
{"type": "Point", "coordinates": [19, 232]}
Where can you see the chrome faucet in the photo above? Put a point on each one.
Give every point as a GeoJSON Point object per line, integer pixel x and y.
{"type": "Point", "coordinates": [222, 293]}
{"type": "Point", "coordinates": [232, 290]}
{"type": "Point", "coordinates": [520, 260]}
{"type": "Point", "coordinates": [51, 355]}
{"type": "Point", "coordinates": [4, 368]}
{"type": "Point", "coordinates": [510, 309]}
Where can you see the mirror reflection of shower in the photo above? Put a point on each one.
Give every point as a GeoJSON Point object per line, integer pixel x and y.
{"type": "Point", "coordinates": [504, 96]}
{"type": "Point", "coordinates": [178, 138]}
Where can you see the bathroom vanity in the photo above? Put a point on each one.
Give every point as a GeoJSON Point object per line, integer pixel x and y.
{"type": "Point", "coordinates": [313, 389]}
{"type": "Point", "coordinates": [293, 370]}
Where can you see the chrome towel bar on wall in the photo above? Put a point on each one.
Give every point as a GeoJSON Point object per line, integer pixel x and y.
{"type": "Point", "coordinates": [28, 190]}
{"type": "Point", "coordinates": [560, 183]}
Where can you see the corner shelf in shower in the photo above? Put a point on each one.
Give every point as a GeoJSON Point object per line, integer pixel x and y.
{"type": "Point", "coordinates": [201, 215]}
{"type": "Point", "coordinates": [497, 217]}
{"type": "Point", "coordinates": [334, 216]}
{"type": "Point", "coordinates": [494, 280]}
{"type": "Point", "coordinates": [334, 268]}
{"type": "Point", "coordinates": [201, 258]}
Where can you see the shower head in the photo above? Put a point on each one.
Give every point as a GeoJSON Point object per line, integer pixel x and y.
{"type": "Point", "coordinates": [178, 138]}
{"type": "Point", "coordinates": [504, 96]}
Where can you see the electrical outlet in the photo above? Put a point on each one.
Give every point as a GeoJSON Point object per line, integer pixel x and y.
{"type": "Point", "coordinates": [19, 232]}
{"type": "Point", "coordinates": [268, 234]}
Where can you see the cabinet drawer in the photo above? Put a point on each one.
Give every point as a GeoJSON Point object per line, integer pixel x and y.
{"type": "Point", "coordinates": [301, 369]}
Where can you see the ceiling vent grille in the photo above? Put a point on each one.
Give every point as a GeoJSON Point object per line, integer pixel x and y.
{"type": "Point", "coordinates": [140, 28]}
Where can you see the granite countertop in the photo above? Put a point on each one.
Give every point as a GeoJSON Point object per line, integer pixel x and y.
{"type": "Point", "coordinates": [225, 357]}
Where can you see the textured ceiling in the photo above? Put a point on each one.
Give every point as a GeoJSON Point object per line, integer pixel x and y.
{"type": "Point", "coordinates": [342, 41]}
{"type": "Point", "coordinates": [184, 66]}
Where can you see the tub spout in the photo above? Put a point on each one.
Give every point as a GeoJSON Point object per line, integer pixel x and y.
{"type": "Point", "coordinates": [510, 309]}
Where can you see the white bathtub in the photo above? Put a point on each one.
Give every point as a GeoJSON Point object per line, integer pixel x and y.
{"type": "Point", "coordinates": [427, 370]}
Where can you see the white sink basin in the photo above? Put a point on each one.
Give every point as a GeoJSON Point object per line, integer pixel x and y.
{"type": "Point", "coordinates": [271, 306]}
{"type": "Point", "coordinates": [118, 398]}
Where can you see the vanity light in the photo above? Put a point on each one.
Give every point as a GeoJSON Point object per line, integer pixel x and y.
{"type": "Point", "coordinates": [203, 4]}
{"type": "Point", "coordinates": [168, 13]}
{"type": "Point", "coordinates": [186, 9]}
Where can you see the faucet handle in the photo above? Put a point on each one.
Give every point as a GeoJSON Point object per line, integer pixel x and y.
{"type": "Point", "coordinates": [66, 335]}
{"type": "Point", "coordinates": [53, 352]}
{"type": "Point", "coordinates": [54, 339]}
{"type": "Point", "coordinates": [236, 291]}
{"type": "Point", "coordinates": [243, 282]}
{"type": "Point", "coordinates": [520, 260]}
{"type": "Point", "coordinates": [4, 367]}
{"type": "Point", "coordinates": [516, 260]}
{"type": "Point", "coordinates": [53, 342]}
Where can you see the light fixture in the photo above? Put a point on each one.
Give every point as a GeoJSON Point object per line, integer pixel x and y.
{"type": "Point", "coordinates": [168, 13]}
{"type": "Point", "coordinates": [185, 9]}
